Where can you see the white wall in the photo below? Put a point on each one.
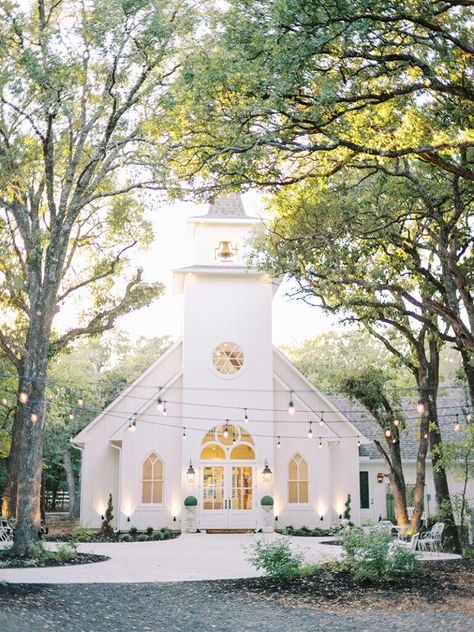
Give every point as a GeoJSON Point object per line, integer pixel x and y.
{"type": "Point", "coordinates": [333, 469]}
{"type": "Point", "coordinates": [102, 462]}
{"type": "Point", "coordinates": [377, 491]}
{"type": "Point", "coordinates": [217, 309]}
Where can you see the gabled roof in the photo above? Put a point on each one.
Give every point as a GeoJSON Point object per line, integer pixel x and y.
{"type": "Point", "coordinates": [80, 437]}
{"type": "Point", "coordinates": [289, 382]}
{"type": "Point", "coordinates": [311, 387]}
{"type": "Point", "coordinates": [363, 420]}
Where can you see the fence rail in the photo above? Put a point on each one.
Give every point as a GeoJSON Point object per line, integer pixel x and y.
{"type": "Point", "coordinates": [58, 501]}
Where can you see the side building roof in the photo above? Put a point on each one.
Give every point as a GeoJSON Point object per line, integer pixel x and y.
{"type": "Point", "coordinates": [448, 407]}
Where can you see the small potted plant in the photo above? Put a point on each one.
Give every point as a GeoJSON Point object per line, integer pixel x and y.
{"type": "Point", "coordinates": [190, 504]}
{"type": "Point", "coordinates": [267, 506]}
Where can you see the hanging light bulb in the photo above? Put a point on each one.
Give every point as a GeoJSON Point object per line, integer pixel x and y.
{"type": "Point", "coordinates": [310, 431]}
{"type": "Point", "coordinates": [388, 433]}
{"type": "Point", "coordinates": [394, 440]}
{"type": "Point", "coordinates": [184, 432]}
{"type": "Point", "coordinates": [4, 401]}
{"type": "Point", "coordinates": [291, 406]}
{"type": "Point", "coordinates": [320, 443]}
{"type": "Point", "coordinates": [23, 397]}
{"type": "Point", "coordinates": [246, 417]}
{"type": "Point", "coordinates": [225, 434]}
{"type": "Point", "coordinates": [278, 442]}
{"type": "Point", "coordinates": [426, 435]}
{"type": "Point", "coordinates": [165, 412]}
{"type": "Point", "coordinates": [71, 416]}
{"type": "Point", "coordinates": [80, 402]}
{"type": "Point", "coordinates": [321, 421]}
{"type": "Point", "coordinates": [456, 423]}
{"type": "Point", "coordinates": [34, 417]}
{"type": "Point", "coordinates": [160, 405]}
{"type": "Point", "coordinates": [396, 422]}
{"type": "Point", "coordinates": [420, 407]}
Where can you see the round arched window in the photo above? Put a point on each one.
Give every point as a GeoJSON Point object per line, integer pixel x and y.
{"type": "Point", "coordinates": [228, 358]}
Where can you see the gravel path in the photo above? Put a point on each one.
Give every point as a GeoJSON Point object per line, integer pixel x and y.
{"type": "Point", "coordinates": [193, 607]}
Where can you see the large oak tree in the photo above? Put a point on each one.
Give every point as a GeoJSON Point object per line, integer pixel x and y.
{"type": "Point", "coordinates": [83, 86]}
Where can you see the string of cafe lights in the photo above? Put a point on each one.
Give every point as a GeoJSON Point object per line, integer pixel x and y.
{"type": "Point", "coordinates": [161, 407]}
{"type": "Point", "coordinates": [162, 403]}
{"type": "Point", "coordinates": [131, 421]}
{"type": "Point", "coordinates": [162, 410]}
{"type": "Point", "coordinates": [227, 426]}
{"type": "Point", "coordinates": [64, 382]}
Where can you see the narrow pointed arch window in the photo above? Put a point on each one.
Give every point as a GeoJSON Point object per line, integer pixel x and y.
{"type": "Point", "coordinates": [297, 480]}
{"type": "Point", "coordinates": [152, 480]}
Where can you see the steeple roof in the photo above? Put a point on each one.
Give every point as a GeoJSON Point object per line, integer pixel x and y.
{"type": "Point", "coordinates": [227, 206]}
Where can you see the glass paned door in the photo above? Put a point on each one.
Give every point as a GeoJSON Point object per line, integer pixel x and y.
{"type": "Point", "coordinates": [242, 487]}
{"type": "Point", "coordinates": [213, 487]}
{"type": "Point", "coordinates": [227, 497]}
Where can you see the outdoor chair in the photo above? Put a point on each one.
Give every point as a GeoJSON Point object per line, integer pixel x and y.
{"type": "Point", "coordinates": [408, 544]}
{"type": "Point", "coordinates": [432, 540]}
{"type": "Point", "coordinates": [6, 531]}
{"type": "Point", "coordinates": [410, 511]}
{"type": "Point", "coordinates": [384, 526]}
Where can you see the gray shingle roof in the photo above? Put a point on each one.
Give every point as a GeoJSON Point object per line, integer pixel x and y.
{"type": "Point", "coordinates": [227, 206]}
{"type": "Point", "coordinates": [447, 408]}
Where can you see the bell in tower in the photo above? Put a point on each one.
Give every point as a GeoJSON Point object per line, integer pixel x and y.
{"type": "Point", "coordinates": [225, 251]}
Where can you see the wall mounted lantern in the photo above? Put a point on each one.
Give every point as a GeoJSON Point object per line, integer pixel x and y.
{"type": "Point", "coordinates": [267, 473]}
{"type": "Point", "coordinates": [380, 477]}
{"type": "Point", "coordinates": [190, 474]}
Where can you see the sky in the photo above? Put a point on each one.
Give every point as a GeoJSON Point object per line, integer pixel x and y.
{"type": "Point", "coordinates": [293, 321]}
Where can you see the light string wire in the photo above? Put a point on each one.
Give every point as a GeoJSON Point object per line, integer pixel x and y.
{"type": "Point", "coordinates": [75, 408]}
{"type": "Point", "coordinates": [308, 410]}
{"type": "Point", "coordinates": [134, 418]}
{"type": "Point", "coordinates": [143, 418]}
{"type": "Point", "coordinates": [55, 381]}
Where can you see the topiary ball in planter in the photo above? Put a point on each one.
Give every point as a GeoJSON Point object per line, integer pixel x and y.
{"type": "Point", "coordinates": [266, 501]}
{"type": "Point", "coordinates": [190, 501]}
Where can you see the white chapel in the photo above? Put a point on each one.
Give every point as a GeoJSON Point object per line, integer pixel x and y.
{"type": "Point", "coordinates": [222, 416]}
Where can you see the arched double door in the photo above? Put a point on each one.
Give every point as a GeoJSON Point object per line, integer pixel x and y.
{"type": "Point", "coordinates": [228, 479]}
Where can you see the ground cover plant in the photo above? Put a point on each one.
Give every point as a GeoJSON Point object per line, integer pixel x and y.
{"type": "Point", "coordinates": [276, 559]}
{"type": "Point", "coordinates": [149, 535]}
{"type": "Point", "coordinates": [369, 556]}
{"type": "Point", "coordinates": [374, 557]}
{"type": "Point", "coordinates": [314, 533]}
{"type": "Point", "coordinates": [40, 556]}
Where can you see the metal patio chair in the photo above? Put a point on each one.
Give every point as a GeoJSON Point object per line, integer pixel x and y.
{"type": "Point", "coordinates": [6, 531]}
{"type": "Point", "coordinates": [432, 540]}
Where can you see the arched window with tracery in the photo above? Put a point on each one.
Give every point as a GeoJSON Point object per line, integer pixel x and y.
{"type": "Point", "coordinates": [152, 480]}
{"type": "Point", "coordinates": [297, 480]}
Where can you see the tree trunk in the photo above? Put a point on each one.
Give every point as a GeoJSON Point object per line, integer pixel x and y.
{"type": "Point", "coordinates": [397, 482]}
{"type": "Point", "coordinates": [420, 479]}
{"type": "Point", "coordinates": [43, 499]}
{"type": "Point", "coordinates": [71, 483]}
{"type": "Point", "coordinates": [10, 495]}
{"type": "Point", "coordinates": [443, 498]}
{"type": "Point", "coordinates": [468, 365]}
{"type": "Point", "coordinates": [32, 415]}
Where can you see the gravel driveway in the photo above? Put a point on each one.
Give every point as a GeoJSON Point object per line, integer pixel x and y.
{"type": "Point", "coordinates": [193, 607]}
